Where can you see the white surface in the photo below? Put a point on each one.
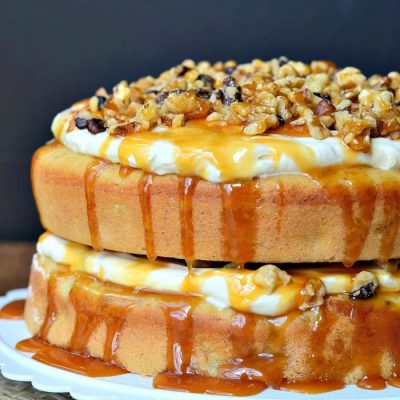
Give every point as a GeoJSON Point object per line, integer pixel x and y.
{"type": "Point", "coordinates": [20, 367]}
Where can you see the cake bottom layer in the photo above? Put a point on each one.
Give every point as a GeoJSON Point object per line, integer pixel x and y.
{"type": "Point", "coordinates": [173, 336]}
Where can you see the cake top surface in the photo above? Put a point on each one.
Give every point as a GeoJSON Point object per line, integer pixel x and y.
{"type": "Point", "coordinates": [260, 96]}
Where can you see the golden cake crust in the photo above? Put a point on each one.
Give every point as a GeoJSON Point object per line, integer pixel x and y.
{"type": "Point", "coordinates": [296, 217]}
{"type": "Point", "coordinates": [142, 340]}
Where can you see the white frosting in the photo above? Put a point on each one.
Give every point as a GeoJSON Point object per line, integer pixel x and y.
{"type": "Point", "coordinates": [252, 155]}
{"type": "Point", "coordinates": [221, 287]}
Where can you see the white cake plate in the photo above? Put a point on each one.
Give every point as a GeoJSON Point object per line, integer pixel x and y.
{"type": "Point", "coordinates": [19, 366]}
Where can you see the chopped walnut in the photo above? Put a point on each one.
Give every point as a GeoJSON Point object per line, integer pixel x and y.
{"type": "Point", "coordinates": [350, 77]}
{"type": "Point", "coordinates": [325, 107]}
{"type": "Point", "coordinates": [354, 130]}
{"type": "Point", "coordinates": [259, 96]}
{"type": "Point", "coordinates": [261, 123]}
{"type": "Point", "coordinates": [312, 294]}
{"type": "Point", "coordinates": [270, 277]}
{"type": "Point", "coordinates": [364, 285]}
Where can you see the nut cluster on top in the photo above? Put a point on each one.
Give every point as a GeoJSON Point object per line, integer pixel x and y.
{"type": "Point", "coordinates": [259, 96]}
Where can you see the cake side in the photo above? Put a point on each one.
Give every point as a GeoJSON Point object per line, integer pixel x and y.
{"type": "Point", "coordinates": [287, 218]}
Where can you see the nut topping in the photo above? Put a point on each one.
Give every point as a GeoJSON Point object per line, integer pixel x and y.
{"type": "Point", "coordinates": [258, 96]}
{"type": "Point", "coordinates": [270, 277]}
{"type": "Point", "coordinates": [313, 294]}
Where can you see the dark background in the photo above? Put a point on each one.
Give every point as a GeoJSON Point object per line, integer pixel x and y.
{"type": "Point", "coordinates": [53, 53]}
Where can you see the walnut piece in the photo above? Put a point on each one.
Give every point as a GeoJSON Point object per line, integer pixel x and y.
{"type": "Point", "coordinates": [270, 277]}
{"type": "Point", "coordinates": [312, 294]}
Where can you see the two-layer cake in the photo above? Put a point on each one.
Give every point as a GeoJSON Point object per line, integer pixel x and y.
{"type": "Point", "coordinates": [226, 227]}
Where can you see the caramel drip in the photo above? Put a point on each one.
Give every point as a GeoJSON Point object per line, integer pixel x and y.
{"type": "Point", "coordinates": [145, 184]}
{"type": "Point", "coordinates": [281, 206]}
{"type": "Point", "coordinates": [356, 195]}
{"type": "Point", "coordinates": [239, 220]}
{"type": "Point", "coordinates": [85, 325]}
{"type": "Point", "coordinates": [178, 375]}
{"type": "Point", "coordinates": [87, 322]}
{"type": "Point", "coordinates": [125, 171]}
{"type": "Point", "coordinates": [114, 328]}
{"type": "Point", "coordinates": [187, 187]}
{"type": "Point", "coordinates": [51, 312]}
{"type": "Point", "coordinates": [243, 334]}
{"type": "Point", "coordinates": [391, 212]}
{"type": "Point", "coordinates": [13, 310]}
{"type": "Point", "coordinates": [91, 174]}
{"type": "Point", "coordinates": [179, 322]}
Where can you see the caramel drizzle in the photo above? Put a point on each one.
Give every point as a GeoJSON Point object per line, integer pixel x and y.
{"type": "Point", "coordinates": [145, 183]}
{"type": "Point", "coordinates": [186, 189]}
{"type": "Point", "coordinates": [391, 212]}
{"type": "Point", "coordinates": [91, 174]}
{"type": "Point", "coordinates": [357, 228]}
{"type": "Point", "coordinates": [355, 188]}
{"type": "Point", "coordinates": [51, 312]}
{"type": "Point", "coordinates": [243, 334]}
{"type": "Point", "coordinates": [239, 220]}
{"type": "Point", "coordinates": [281, 206]}
{"type": "Point", "coordinates": [114, 328]}
{"type": "Point", "coordinates": [124, 171]}
{"type": "Point", "coordinates": [179, 323]}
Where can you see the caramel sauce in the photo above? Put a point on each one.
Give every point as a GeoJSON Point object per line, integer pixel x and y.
{"type": "Point", "coordinates": [281, 206]}
{"type": "Point", "coordinates": [394, 381]}
{"type": "Point", "coordinates": [239, 220]}
{"type": "Point", "coordinates": [372, 384]}
{"type": "Point", "coordinates": [186, 189]}
{"type": "Point", "coordinates": [67, 360]}
{"type": "Point", "coordinates": [204, 384]}
{"type": "Point", "coordinates": [51, 312]}
{"type": "Point", "coordinates": [312, 387]}
{"type": "Point", "coordinates": [91, 174]}
{"type": "Point", "coordinates": [256, 363]}
{"type": "Point", "coordinates": [145, 184]}
{"type": "Point", "coordinates": [178, 318]}
{"type": "Point", "coordinates": [13, 310]}
{"type": "Point", "coordinates": [242, 333]}
{"type": "Point", "coordinates": [356, 193]}
{"type": "Point", "coordinates": [201, 144]}
{"type": "Point", "coordinates": [125, 171]}
{"type": "Point", "coordinates": [391, 212]}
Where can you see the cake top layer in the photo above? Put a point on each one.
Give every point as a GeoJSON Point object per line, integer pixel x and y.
{"type": "Point", "coordinates": [260, 96]}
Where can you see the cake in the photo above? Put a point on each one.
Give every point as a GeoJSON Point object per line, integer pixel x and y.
{"type": "Point", "coordinates": [225, 228]}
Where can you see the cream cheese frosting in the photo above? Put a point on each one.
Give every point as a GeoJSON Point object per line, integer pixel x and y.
{"type": "Point", "coordinates": [223, 287]}
{"type": "Point", "coordinates": [218, 154]}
